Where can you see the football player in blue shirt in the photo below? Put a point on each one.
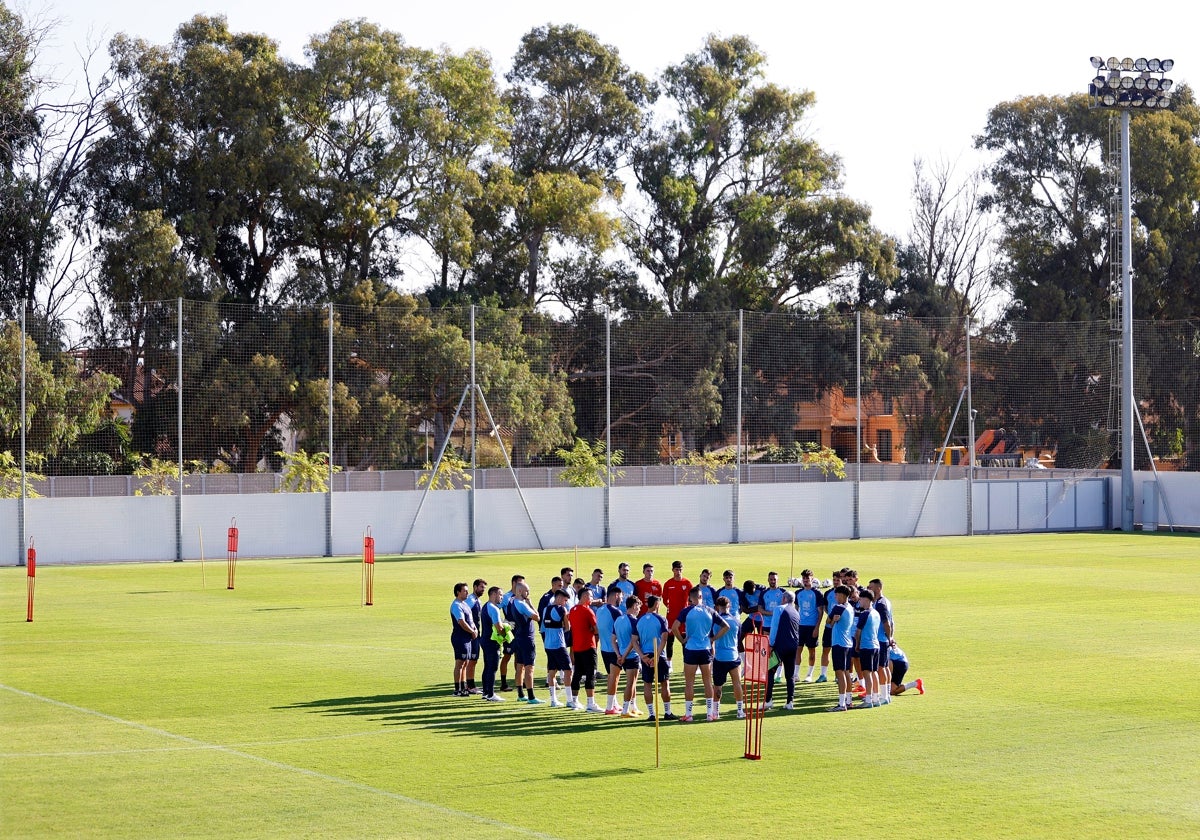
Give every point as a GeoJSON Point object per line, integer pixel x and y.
{"type": "Point", "coordinates": [596, 588]}
{"type": "Point", "coordinates": [554, 639]}
{"type": "Point", "coordinates": [810, 603]}
{"type": "Point", "coordinates": [696, 627]}
{"type": "Point", "coordinates": [886, 631]}
{"type": "Point", "coordinates": [731, 593]}
{"type": "Point", "coordinates": [708, 595]}
{"type": "Point", "coordinates": [899, 664]}
{"type": "Point", "coordinates": [867, 641]}
{"type": "Point", "coordinates": [625, 642]}
{"type": "Point", "coordinates": [842, 622]}
{"type": "Point", "coordinates": [726, 662]}
{"type": "Point", "coordinates": [506, 648]}
{"type": "Point", "coordinates": [624, 584]}
{"type": "Point", "coordinates": [463, 634]}
{"type": "Point", "coordinates": [523, 617]}
{"type": "Point", "coordinates": [607, 614]}
{"type": "Point", "coordinates": [652, 632]}
{"type": "Point", "coordinates": [491, 627]}
{"type": "Point", "coordinates": [827, 634]}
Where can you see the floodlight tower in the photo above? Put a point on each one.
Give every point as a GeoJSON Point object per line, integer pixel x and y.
{"type": "Point", "coordinates": [1128, 85]}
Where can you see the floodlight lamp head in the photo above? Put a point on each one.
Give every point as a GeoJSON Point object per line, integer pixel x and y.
{"type": "Point", "coordinates": [1167, 64]}
{"type": "Point", "coordinates": [1127, 82]}
{"type": "Point", "coordinates": [1114, 63]}
{"type": "Point", "coordinates": [1126, 63]}
{"type": "Point", "coordinates": [1165, 84]}
{"type": "Point", "coordinates": [1139, 83]}
{"type": "Point", "coordinates": [1109, 100]}
{"type": "Point", "coordinates": [1153, 65]}
{"type": "Point", "coordinates": [1140, 64]}
{"type": "Point", "coordinates": [1097, 62]}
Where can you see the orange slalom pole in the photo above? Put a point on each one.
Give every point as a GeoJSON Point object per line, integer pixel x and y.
{"type": "Point", "coordinates": [31, 577]}
{"type": "Point", "coordinates": [368, 568]}
{"type": "Point", "coordinates": [231, 550]}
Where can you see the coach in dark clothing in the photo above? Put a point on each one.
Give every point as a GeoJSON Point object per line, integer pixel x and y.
{"type": "Point", "coordinates": [785, 642]}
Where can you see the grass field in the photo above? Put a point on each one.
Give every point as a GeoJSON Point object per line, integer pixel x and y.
{"type": "Point", "coordinates": [1062, 702]}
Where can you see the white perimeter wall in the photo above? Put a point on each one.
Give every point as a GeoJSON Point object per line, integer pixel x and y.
{"type": "Point", "coordinates": [72, 530]}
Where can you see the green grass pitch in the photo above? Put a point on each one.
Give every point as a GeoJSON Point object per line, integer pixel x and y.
{"type": "Point", "coordinates": [1062, 702]}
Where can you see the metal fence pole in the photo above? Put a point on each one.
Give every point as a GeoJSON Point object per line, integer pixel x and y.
{"type": "Point", "coordinates": [474, 475]}
{"type": "Point", "coordinates": [329, 478]}
{"type": "Point", "coordinates": [737, 475]}
{"type": "Point", "coordinates": [608, 473]}
{"type": "Point", "coordinates": [179, 426]}
{"type": "Point", "coordinates": [21, 497]}
{"type": "Point", "coordinates": [971, 439]}
{"type": "Point", "coordinates": [857, 420]}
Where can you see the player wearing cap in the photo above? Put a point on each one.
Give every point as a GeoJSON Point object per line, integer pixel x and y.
{"type": "Point", "coordinates": [584, 633]}
{"type": "Point", "coordinates": [625, 641]}
{"type": "Point", "coordinates": [652, 631]}
{"type": "Point", "coordinates": [696, 627]}
{"type": "Point", "coordinates": [523, 617]}
{"type": "Point", "coordinates": [867, 641]}
{"type": "Point", "coordinates": [607, 614]}
{"type": "Point", "coordinates": [785, 644]}
{"type": "Point", "coordinates": [726, 662]}
{"type": "Point", "coordinates": [827, 633]}
{"type": "Point", "coordinates": [463, 633]}
{"type": "Point", "coordinates": [841, 620]}
{"type": "Point", "coordinates": [899, 664]}
{"type": "Point", "coordinates": [675, 597]}
{"type": "Point", "coordinates": [810, 603]}
{"type": "Point", "coordinates": [492, 631]}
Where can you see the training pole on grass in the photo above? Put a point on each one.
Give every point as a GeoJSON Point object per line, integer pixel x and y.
{"type": "Point", "coordinates": [654, 701]}
{"type": "Point", "coordinates": [203, 580]}
{"type": "Point", "coordinates": [755, 686]}
{"type": "Point", "coordinates": [792, 569]}
{"type": "Point", "coordinates": [231, 550]}
{"type": "Point", "coordinates": [368, 569]}
{"type": "Point", "coordinates": [31, 577]}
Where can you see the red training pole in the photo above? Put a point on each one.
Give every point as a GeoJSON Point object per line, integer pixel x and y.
{"type": "Point", "coordinates": [31, 577]}
{"type": "Point", "coordinates": [231, 550]}
{"type": "Point", "coordinates": [369, 568]}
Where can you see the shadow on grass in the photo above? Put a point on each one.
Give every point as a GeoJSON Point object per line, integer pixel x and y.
{"type": "Point", "coordinates": [436, 708]}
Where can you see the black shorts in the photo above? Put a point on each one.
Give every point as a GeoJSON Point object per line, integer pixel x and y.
{"type": "Point", "coordinates": [585, 661]}
{"type": "Point", "coordinates": [524, 651]}
{"type": "Point", "coordinates": [609, 659]}
{"type": "Point", "coordinates": [632, 663]}
{"type": "Point", "coordinates": [723, 669]}
{"type": "Point", "coordinates": [697, 657]}
{"type": "Point", "coordinates": [664, 672]}
{"type": "Point", "coordinates": [899, 669]}
{"type": "Point", "coordinates": [827, 636]}
{"type": "Point", "coordinates": [506, 648]}
{"type": "Point", "coordinates": [868, 659]}
{"type": "Point", "coordinates": [464, 648]}
{"type": "Point", "coordinates": [841, 658]}
{"type": "Point", "coordinates": [808, 636]}
{"type": "Point", "coordinates": [557, 659]}
{"type": "Point", "coordinates": [475, 647]}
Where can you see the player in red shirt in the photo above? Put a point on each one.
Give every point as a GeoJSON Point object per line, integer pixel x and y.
{"type": "Point", "coordinates": [647, 586]}
{"type": "Point", "coordinates": [583, 650]}
{"type": "Point", "coordinates": [675, 596]}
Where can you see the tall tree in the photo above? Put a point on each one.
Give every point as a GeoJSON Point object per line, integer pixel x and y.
{"type": "Point", "coordinates": [743, 208]}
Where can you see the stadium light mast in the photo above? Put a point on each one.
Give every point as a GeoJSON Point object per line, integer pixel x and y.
{"type": "Point", "coordinates": [1126, 84]}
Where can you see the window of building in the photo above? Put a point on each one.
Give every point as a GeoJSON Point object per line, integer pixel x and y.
{"type": "Point", "coordinates": [883, 441]}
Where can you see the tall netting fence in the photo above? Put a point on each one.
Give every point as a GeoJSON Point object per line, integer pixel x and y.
{"type": "Point", "coordinates": [366, 397]}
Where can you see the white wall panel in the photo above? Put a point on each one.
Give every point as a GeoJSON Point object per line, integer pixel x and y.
{"type": "Point", "coordinates": [817, 511]}
{"type": "Point", "coordinates": [81, 530]}
{"type": "Point", "coordinates": [667, 515]}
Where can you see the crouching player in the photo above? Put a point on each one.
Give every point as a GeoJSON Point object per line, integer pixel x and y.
{"type": "Point", "coordinates": [900, 670]}
{"type": "Point", "coordinates": [726, 661]}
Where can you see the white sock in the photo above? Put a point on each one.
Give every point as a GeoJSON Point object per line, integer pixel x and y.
{"type": "Point", "coordinates": [611, 702]}
{"type": "Point", "coordinates": [625, 707]}
{"type": "Point", "coordinates": [666, 707]}
{"type": "Point", "coordinates": [687, 705]}
{"type": "Point", "coordinates": [716, 709]}
{"type": "Point", "coordinates": [740, 706]}
{"type": "Point", "coordinates": [909, 686]}
{"type": "Point", "coordinates": [811, 668]}
{"type": "Point", "coordinates": [554, 694]}
{"type": "Point", "coordinates": [824, 670]}
{"type": "Point", "coordinates": [570, 696]}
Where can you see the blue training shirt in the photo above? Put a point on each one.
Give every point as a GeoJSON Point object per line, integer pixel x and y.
{"type": "Point", "coordinates": [625, 627]}
{"type": "Point", "coordinates": [553, 636]}
{"type": "Point", "coordinates": [842, 619]}
{"type": "Point", "coordinates": [809, 603]}
{"type": "Point", "coordinates": [626, 587]}
{"type": "Point", "coordinates": [735, 599]}
{"type": "Point", "coordinates": [884, 607]}
{"type": "Point", "coordinates": [725, 648]}
{"type": "Point", "coordinates": [606, 617]}
{"type": "Point", "coordinates": [868, 622]}
{"type": "Point", "coordinates": [708, 596]}
{"type": "Point", "coordinates": [771, 598]}
{"type": "Point", "coordinates": [697, 623]}
{"type": "Point", "coordinates": [651, 627]}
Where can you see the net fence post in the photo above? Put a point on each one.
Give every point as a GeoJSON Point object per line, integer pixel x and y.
{"type": "Point", "coordinates": [970, 437]}
{"type": "Point", "coordinates": [608, 473]}
{"type": "Point", "coordinates": [858, 444]}
{"type": "Point", "coordinates": [329, 465]}
{"type": "Point", "coordinates": [21, 495]}
{"type": "Point", "coordinates": [474, 473]}
{"type": "Point", "coordinates": [737, 473]}
{"type": "Point", "coordinates": [179, 426]}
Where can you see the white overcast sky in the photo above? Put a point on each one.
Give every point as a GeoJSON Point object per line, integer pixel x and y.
{"type": "Point", "coordinates": [893, 81]}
